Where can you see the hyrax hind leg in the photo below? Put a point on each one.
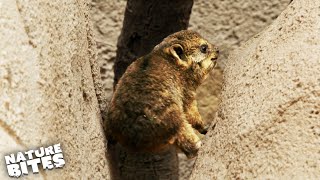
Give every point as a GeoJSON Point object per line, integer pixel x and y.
{"type": "Point", "coordinates": [187, 140]}
{"type": "Point", "coordinates": [194, 118]}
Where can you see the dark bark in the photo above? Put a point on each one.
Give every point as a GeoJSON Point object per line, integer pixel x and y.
{"type": "Point", "coordinates": [145, 24]}
{"type": "Point", "coordinates": [126, 165]}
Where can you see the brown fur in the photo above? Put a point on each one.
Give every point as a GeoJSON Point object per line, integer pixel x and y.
{"type": "Point", "coordinates": [154, 103]}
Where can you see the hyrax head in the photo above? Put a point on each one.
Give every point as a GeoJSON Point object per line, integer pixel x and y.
{"type": "Point", "coordinates": [190, 52]}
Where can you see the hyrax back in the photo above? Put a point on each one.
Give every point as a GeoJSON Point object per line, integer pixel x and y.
{"type": "Point", "coordinates": [154, 103]}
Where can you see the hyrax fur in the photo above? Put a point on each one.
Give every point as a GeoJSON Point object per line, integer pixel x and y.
{"type": "Point", "coordinates": [154, 103]}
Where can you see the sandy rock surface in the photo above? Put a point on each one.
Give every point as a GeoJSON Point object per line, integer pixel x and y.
{"type": "Point", "coordinates": [47, 93]}
{"type": "Point", "coordinates": [268, 121]}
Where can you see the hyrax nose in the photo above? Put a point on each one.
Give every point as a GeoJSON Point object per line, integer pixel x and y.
{"type": "Point", "coordinates": [215, 54]}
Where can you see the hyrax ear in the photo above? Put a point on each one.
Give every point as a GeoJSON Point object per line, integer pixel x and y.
{"type": "Point", "coordinates": [177, 51]}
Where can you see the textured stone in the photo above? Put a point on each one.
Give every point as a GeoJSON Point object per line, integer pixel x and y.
{"type": "Point", "coordinates": [107, 17]}
{"type": "Point", "coordinates": [268, 122]}
{"type": "Point", "coordinates": [47, 79]}
{"type": "Point", "coordinates": [228, 24]}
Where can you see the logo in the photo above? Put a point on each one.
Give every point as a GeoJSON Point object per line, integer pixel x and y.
{"type": "Point", "coordinates": [45, 157]}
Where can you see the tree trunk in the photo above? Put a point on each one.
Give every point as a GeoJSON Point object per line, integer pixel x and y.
{"type": "Point", "coordinates": [268, 122]}
{"type": "Point", "coordinates": [146, 23]}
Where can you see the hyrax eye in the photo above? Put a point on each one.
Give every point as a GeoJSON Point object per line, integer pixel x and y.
{"type": "Point", "coordinates": [204, 48]}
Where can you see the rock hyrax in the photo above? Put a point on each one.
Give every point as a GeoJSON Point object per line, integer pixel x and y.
{"type": "Point", "coordinates": [154, 103]}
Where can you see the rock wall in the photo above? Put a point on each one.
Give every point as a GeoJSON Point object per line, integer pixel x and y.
{"type": "Point", "coordinates": [47, 78]}
{"type": "Point", "coordinates": [268, 123]}
{"type": "Point", "coordinates": [228, 24]}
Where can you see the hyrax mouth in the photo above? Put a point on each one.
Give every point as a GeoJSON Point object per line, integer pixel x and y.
{"type": "Point", "coordinates": [214, 58]}
{"type": "Point", "coordinates": [215, 55]}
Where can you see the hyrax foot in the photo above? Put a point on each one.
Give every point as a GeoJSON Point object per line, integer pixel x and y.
{"type": "Point", "coordinates": [203, 129]}
{"type": "Point", "coordinates": [192, 151]}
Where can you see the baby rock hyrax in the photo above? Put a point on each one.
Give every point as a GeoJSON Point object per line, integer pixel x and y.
{"type": "Point", "coordinates": [154, 103]}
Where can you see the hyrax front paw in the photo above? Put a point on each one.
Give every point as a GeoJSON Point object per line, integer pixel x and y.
{"type": "Point", "coordinates": [192, 151]}
{"type": "Point", "coordinates": [188, 141]}
{"type": "Point", "coordinates": [204, 130]}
